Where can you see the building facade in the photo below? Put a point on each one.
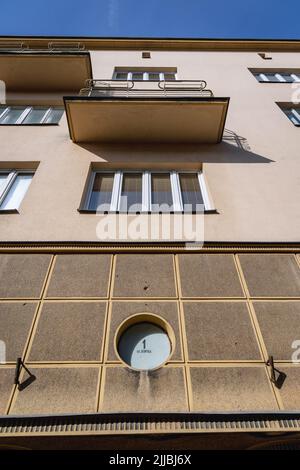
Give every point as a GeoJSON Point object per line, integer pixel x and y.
{"type": "Point", "coordinates": [149, 243]}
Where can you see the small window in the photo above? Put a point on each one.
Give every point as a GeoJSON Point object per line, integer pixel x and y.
{"type": "Point", "coordinates": [292, 112]}
{"type": "Point", "coordinates": [283, 76]}
{"type": "Point", "coordinates": [145, 75]}
{"type": "Point", "coordinates": [13, 187]}
{"type": "Point", "coordinates": [53, 116]}
{"type": "Point", "coordinates": [146, 55]}
{"type": "Point", "coordinates": [11, 115]}
{"type": "Point", "coordinates": [101, 192]}
{"type": "Point", "coordinates": [144, 342]}
{"type": "Point", "coordinates": [30, 115]}
{"type": "Point", "coordinates": [159, 191]}
{"type": "Point", "coordinates": [169, 76]}
{"type": "Point", "coordinates": [121, 76]}
{"type": "Point", "coordinates": [136, 76]}
{"type": "Point", "coordinates": [190, 191]}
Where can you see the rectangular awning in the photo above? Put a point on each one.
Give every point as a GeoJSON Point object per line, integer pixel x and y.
{"type": "Point", "coordinates": [146, 119]}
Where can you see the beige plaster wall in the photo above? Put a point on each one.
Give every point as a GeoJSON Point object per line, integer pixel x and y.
{"type": "Point", "coordinates": [253, 175]}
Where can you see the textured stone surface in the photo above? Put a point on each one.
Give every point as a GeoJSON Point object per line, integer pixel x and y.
{"type": "Point", "coordinates": [139, 275]}
{"type": "Point", "coordinates": [209, 275]}
{"type": "Point", "coordinates": [80, 276]}
{"type": "Point", "coordinates": [15, 322]}
{"type": "Point", "coordinates": [271, 275]}
{"type": "Point", "coordinates": [22, 275]}
{"type": "Point", "coordinates": [122, 310]}
{"type": "Point", "coordinates": [231, 389]}
{"type": "Point", "coordinates": [290, 389]}
{"type": "Point", "coordinates": [69, 331]}
{"type": "Point", "coordinates": [280, 326]}
{"type": "Point", "coordinates": [7, 377]}
{"type": "Point", "coordinates": [161, 390]}
{"type": "Point", "coordinates": [219, 331]}
{"type": "Point", "coordinates": [63, 390]}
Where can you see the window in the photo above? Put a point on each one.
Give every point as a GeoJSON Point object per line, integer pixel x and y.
{"type": "Point", "coordinates": [146, 55]}
{"type": "Point", "coordinates": [142, 75]}
{"type": "Point", "coordinates": [145, 191]}
{"type": "Point", "coordinates": [292, 112]}
{"type": "Point", "coordinates": [30, 115]}
{"type": "Point", "coordinates": [270, 76]}
{"type": "Point", "coordinates": [13, 187]}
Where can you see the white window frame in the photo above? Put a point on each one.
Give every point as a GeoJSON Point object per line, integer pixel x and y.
{"type": "Point", "coordinates": [25, 113]}
{"type": "Point", "coordinates": [146, 189]}
{"type": "Point", "coordinates": [145, 75]}
{"type": "Point", "coordinates": [11, 177]}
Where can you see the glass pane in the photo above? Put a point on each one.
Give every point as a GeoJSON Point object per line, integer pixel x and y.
{"type": "Point", "coordinates": [293, 116]}
{"type": "Point", "coordinates": [3, 178]}
{"type": "Point", "coordinates": [154, 76]}
{"type": "Point", "coordinates": [102, 192]}
{"type": "Point", "coordinates": [121, 76]}
{"type": "Point", "coordinates": [137, 76]}
{"type": "Point", "coordinates": [271, 77]}
{"type": "Point", "coordinates": [35, 116]}
{"type": "Point", "coordinates": [131, 197]}
{"type": "Point", "coordinates": [54, 116]}
{"type": "Point", "coordinates": [12, 115]}
{"type": "Point", "coordinates": [287, 77]}
{"type": "Point", "coordinates": [190, 192]}
{"type": "Point", "coordinates": [17, 191]}
{"type": "Point", "coordinates": [2, 109]}
{"type": "Point", "coordinates": [161, 192]}
{"type": "Point", "coordinates": [170, 76]}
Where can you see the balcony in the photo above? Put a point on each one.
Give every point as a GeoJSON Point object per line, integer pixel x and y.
{"type": "Point", "coordinates": [183, 111]}
{"type": "Point", "coordinates": [43, 75]}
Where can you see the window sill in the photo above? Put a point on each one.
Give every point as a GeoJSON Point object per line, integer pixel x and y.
{"type": "Point", "coordinates": [9, 211]}
{"type": "Point", "coordinates": [87, 211]}
{"type": "Point", "coordinates": [276, 81]}
{"type": "Point", "coordinates": [49, 124]}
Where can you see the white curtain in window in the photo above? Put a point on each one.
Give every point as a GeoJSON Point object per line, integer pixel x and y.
{"type": "Point", "coordinates": [17, 192]}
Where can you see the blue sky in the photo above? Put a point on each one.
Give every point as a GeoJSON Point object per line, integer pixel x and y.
{"type": "Point", "coordinates": [265, 19]}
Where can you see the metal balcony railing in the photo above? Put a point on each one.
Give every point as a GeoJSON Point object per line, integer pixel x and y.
{"type": "Point", "coordinates": [144, 89]}
{"type": "Point", "coordinates": [51, 47]}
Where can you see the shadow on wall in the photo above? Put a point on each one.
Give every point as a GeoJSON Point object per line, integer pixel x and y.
{"type": "Point", "coordinates": [232, 149]}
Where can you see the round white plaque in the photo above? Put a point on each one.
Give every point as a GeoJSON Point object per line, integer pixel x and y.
{"type": "Point", "coordinates": [144, 346]}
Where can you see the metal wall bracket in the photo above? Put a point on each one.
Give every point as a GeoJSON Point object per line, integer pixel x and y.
{"type": "Point", "coordinates": [28, 381]}
{"type": "Point", "coordinates": [19, 364]}
{"type": "Point", "coordinates": [277, 377]}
